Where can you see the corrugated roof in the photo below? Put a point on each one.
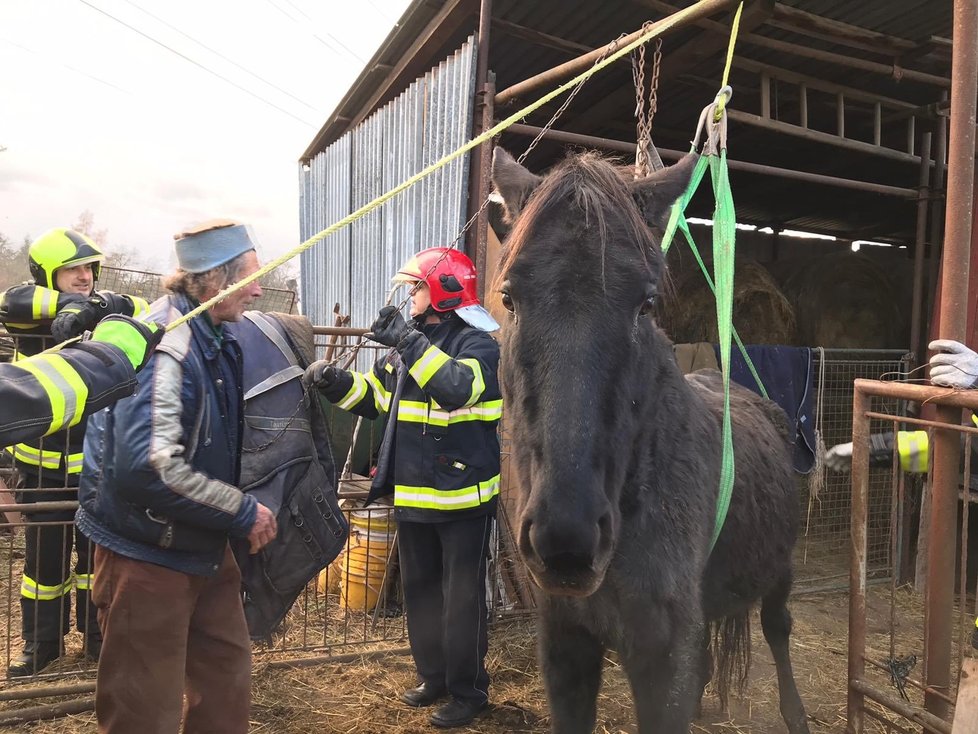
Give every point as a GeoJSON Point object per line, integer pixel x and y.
{"type": "Point", "coordinates": [604, 107]}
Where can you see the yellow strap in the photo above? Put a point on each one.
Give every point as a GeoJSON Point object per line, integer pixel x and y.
{"type": "Point", "coordinates": [722, 100]}
{"type": "Point", "coordinates": [657, 30]}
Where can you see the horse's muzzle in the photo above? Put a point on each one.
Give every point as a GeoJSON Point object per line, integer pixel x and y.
{"type": "Point", "coordinates": [568, 560]}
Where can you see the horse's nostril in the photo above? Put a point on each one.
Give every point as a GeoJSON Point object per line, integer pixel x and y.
{"type": "Point", "coordinates": [525, 542]}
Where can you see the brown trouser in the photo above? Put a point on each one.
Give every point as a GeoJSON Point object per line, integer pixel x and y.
{"type": "Point", "coordinates": [168, 633]}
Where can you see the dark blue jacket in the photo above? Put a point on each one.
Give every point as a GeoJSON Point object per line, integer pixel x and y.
{"type": "Point", "coordinates": [161, 468]}
{"type": "Point", "coordinates": [440, 454]}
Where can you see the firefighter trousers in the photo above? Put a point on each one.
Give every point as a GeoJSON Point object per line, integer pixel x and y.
{"type": "Point", "coordinates": [45, 592]}
{"type": "Point", "coordinates": [443, 571]}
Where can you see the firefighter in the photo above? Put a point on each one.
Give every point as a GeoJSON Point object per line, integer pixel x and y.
{"type": "Point", "coordinates": [440, 459]}
{"type": "Point", "coordinates": [60, 302]}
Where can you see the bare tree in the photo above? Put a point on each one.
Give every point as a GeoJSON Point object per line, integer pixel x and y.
{"type": "Point", "coordinates": [86, 225]}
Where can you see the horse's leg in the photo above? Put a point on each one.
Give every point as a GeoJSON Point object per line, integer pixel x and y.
{"type": "Point", "coordinates": [570, 660]}
{"type": "Point", "coordinates": [704, 669]}
{"type": "Point", "coordinates": [776, 623]}
{"type": "Point", "coordinates": [664, 674]}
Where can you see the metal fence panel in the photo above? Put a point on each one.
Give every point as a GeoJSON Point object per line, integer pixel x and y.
{"type": "Point", "coordinates": [822, 551]}
{"type": "Point", "coordinates": [431, 118]}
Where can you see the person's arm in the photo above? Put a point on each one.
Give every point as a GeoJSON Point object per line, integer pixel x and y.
{"type": "Point", "coordinates": [152, 468]}
{"type": "Point", "coordinates": [362, 393]}
{"type": "Point", "coordinates": [453, 382]}
{"type": "Point", "coordinates": [912, 448]}
{"type": "Point", "coordinates": [27, 304]}
{"type": "Point", "coordinates": [75, 318]}
{"type": "Point", "coordinates": [51, 391]}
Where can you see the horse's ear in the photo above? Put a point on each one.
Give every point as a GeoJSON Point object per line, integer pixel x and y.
{"type": "Point", "coordinates": [513, 182]}
{"type": "Point", "coordinates": [656, 193]}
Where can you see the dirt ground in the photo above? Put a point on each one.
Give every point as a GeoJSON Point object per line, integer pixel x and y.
{"type": "Point", "coordinates": [361, 696]}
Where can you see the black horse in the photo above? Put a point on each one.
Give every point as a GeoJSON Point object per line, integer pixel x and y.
{"type": "Point", "coordinates": [619, 458]}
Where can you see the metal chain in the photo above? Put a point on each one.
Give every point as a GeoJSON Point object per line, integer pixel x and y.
{"type": "Point", "coordinates": [644, 116]}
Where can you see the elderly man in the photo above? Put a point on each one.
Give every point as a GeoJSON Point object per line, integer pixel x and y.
{"type": "Point", "coordinates": [159, 498]}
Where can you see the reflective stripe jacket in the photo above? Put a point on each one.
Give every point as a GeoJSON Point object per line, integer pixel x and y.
{"type": "Point", "coordinates": [46, 393]}
{"type": "Point", "coordinates": [445, 447]}
{"type": "Point", "coordinates": [161, 474]}
{"type": "Point", "coordinates": [26, 310]}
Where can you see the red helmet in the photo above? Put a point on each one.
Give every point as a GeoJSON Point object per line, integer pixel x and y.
{"type": "Point", "coordinates": [449, 274]}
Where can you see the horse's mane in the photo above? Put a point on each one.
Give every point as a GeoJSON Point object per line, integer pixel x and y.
{"type": "Point", "coordinates": [594, 186]}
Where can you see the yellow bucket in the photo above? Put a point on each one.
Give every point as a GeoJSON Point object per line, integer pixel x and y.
{"type": "Point", "coordinates": [362, 570]}
{"type": "Point", "coordinates": [358, 573]}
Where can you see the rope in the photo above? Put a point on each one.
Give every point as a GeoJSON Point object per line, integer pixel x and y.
{"type": "Point", "coordinates": [660, 28]}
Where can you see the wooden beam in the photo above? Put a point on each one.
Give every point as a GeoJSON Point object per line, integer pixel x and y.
{"type": "Point", "coordinates": [794, 49]}
{"type": "Point", "coordinates": [539, 38]}
{"type": "Point", "coordinates": [805, 22]}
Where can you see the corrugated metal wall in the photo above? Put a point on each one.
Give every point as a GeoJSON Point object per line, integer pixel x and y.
{"type": "Point", "coordinates": [353, 267]}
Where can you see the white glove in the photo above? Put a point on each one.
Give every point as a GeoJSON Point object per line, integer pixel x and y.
{"type": "Point", "coordinates": [954, 365]}
{"type": "Point", "coordinates": [839, 457]}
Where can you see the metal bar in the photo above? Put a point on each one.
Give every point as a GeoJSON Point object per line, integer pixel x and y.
{"type": "Point", "coordinates": [793, 77]}
{"type": "Point", "coordinates": [858, 559]}
{"type": "Point", "coordinates": [338, 331]}
{"type": "Point", "coordinates": [35, 507]}
{"type": "Point", "coordinates": [953, 325]}
{"type": "Point", "coordinates": [564, 71]}
{"type": "Point", "coordinates": [919, 393]}
{"type": "Point", "coordinates": [480, 160]}
{"type": "Point", "coordinates": [840, 115]}
{"type": "Point", "coordinates": [538, 37]}
{"type": "Point", "coordinates": [765, 95]}
{"type": "Point", "coordinates": [911, 134]}
{"type": "Point", "coordinates": [922, 422]}
{"type": "Point", "coordinates": [668, 154]}
{"type": "Point", "coordinates": [877, 123]}
{"type": "Point", "coordinates": [816, 136]}
{"type": "Point", "coordinates": [485, 187]}
{"type": "Point", "coordinates": [906, 710]}
{"type": "Point", "coordinates": [937, 210]}
{"type": "Point", "coordinates": [913, 682]}
{"type": "Point", "coordinates": [920, 242]}
{"type": "Point", "coordinates": [939, 592]}
{"type": "Point", "coordinates": [803, 104]}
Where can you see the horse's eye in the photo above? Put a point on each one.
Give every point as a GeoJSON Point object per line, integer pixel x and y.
{"type": "Point", "coordinates": [507, 301]}
{"type": "Point", "coordinates": [647, 305]}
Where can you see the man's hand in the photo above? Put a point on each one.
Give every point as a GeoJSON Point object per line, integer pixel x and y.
{"type": "Point", "coordinates": [839, 457]}
{"type": "Point", "coordinates": [137, 339]}
{"type": "Point", "coordinates": [954, 365]}
{"type": "Point", "coordinates": [264, 530]}
{"type": "Point", "coordinates": [389, 328]}
{"type": "Point", "coordinates": [77, 318]}
{"type": "Point", "coordinates": [320, 374]}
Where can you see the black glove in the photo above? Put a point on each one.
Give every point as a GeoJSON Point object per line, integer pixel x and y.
{"type": "Point", "coordinates": [320, 374]}
{"type": "Point", "coordinates": [389, 328]}
{"type": "Point", "coordinates": [136, 338]}
{"type": "Point", "coordinates": [77, 318]}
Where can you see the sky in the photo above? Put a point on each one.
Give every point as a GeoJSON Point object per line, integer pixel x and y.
{"type": "Point", "coordinates": [98, 116]}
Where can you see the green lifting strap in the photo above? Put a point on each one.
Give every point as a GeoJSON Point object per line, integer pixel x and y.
{"type": "Point", "coordinates": [714, 157]}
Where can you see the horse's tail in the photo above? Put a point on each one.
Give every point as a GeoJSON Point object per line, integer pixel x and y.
{"type": "Point", "coordinates": [731, 654]}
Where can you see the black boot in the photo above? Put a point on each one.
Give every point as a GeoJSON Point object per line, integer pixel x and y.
{"type": "Point", "coordinates": [35, 658]}
{"type": "Point", "coordinates": [457, 712]}
{"type": "Point", "coordinates": [423, 695]}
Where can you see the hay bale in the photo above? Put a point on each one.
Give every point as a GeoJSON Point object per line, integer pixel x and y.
{"type": "Point", "coordinates": [761, 312]}
{"type": "Point", "coordinates": [846, 300]}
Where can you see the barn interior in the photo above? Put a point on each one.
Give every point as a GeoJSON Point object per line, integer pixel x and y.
{"type": "Point", "coordinates": [837, 128]}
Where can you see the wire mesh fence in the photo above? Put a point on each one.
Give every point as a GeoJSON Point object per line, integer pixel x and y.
{"type": "Point", "coordinates": [149, 285]}
{"type": "Point", "coordinates": [822, 552]}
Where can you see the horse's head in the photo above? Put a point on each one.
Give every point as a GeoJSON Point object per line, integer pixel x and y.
{"type": "Point", "coordinates": [580, 275]}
